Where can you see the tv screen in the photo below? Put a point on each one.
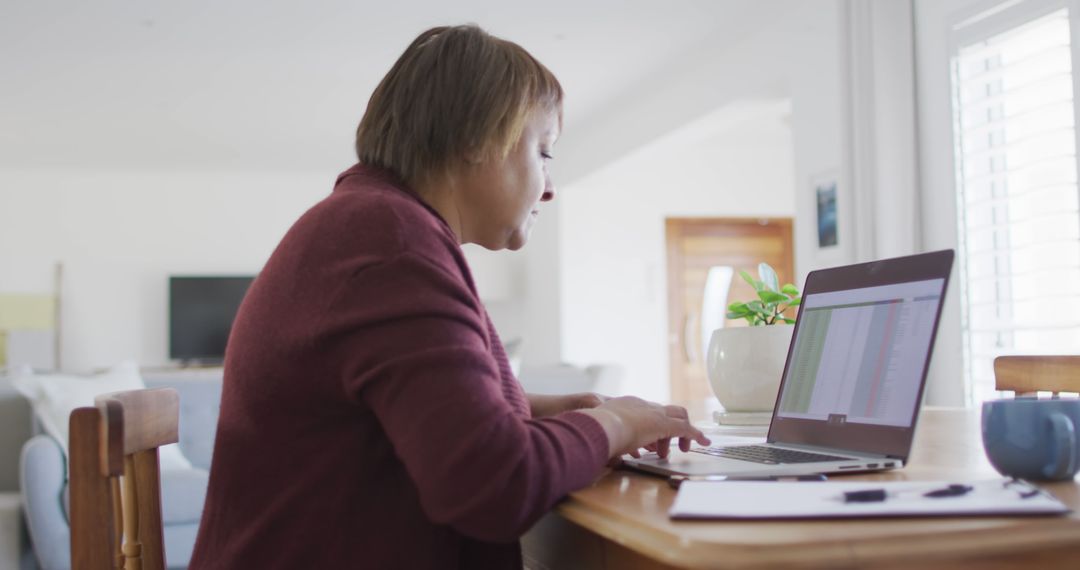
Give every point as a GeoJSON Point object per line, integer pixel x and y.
{"type": "Point", "coordinates": [201, 313]}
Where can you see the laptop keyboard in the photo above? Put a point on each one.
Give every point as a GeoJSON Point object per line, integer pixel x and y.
{"type": "Point", "coordinates": [767, 455]}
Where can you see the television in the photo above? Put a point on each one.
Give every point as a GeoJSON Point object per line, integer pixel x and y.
{"type": "Point", "coordinates": [201, 313]}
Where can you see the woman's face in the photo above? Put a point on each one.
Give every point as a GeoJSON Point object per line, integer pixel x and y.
{"type": "Point", "coordinates": [501, 196]}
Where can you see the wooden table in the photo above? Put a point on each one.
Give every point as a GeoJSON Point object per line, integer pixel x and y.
{"type": "Point", "coordinates": [621, 522]}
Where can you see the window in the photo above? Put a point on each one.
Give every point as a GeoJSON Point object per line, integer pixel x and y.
{"type": "Point", "coordinates": [1016, 174]}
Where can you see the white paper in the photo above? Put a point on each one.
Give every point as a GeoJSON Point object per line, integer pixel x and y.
{"type": "Point", "coordinates": [761, 499]}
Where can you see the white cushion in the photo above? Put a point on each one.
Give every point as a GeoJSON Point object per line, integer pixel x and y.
{"type": "Point", "coordinates": [55, 396]}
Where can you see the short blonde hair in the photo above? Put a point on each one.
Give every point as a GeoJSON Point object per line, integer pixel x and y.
{"type": "Point", "coordinates": [455, 90]}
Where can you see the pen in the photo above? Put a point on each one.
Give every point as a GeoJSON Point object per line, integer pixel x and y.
{"type": "Point", "coordinates": [1030, 491]}
{"type": "Point", "coordinates": [878, 495]}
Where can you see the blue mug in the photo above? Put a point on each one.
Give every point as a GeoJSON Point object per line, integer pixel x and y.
{"type": "Point", "coordinates": [1032, 439]}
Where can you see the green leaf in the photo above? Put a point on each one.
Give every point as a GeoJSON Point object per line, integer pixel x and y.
{"type": "Point", "coordinates": [753, 282]}
{"type": "Point", "coordinates": [772, 297]}
{"type": "Point", "coordinates": [738, 312]}
{"type": "Point", "coordinates": [768, 277]}
{"type": "Point", "coordinates": [763, 315]}
{"type": "Point", "coordinates": [772, 300]}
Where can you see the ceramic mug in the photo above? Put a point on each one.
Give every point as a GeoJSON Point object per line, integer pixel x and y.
{"type": "Point", "coordinates": [1032, 439]}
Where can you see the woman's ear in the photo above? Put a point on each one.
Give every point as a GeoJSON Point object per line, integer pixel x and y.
{"type": "Point", "coordinates": [473, 156]}
{"type": "Point", "coordinates": [477, 153]}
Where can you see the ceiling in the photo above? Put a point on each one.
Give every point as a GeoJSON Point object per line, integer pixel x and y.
{"type": "Point", "coordinates": [256, 84]}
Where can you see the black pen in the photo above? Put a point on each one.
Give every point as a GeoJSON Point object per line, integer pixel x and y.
{"type": "Point", "coordinates": [879, 495]}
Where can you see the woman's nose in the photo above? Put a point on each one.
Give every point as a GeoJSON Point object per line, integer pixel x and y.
{"type": "Point", "coordinates": [549, 192]}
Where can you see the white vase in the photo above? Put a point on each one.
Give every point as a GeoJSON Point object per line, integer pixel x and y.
{"type": "Point", "coordinates": [745, 365]}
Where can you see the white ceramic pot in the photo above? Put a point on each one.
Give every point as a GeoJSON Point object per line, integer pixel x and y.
{"type": "Point", "coordinates": [745, 365]}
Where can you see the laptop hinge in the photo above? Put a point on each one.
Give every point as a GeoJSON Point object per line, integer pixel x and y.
{"type": "Point", "coordinates": [833, 450]}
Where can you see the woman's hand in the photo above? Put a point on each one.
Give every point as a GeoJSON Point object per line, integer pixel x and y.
{"type": "Point", "coordinates": [543, 405]}
{"type": "Point", "coordinates": [632, 423]}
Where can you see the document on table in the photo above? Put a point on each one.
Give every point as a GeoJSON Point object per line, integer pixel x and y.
{"type": "Point", "coordinates": [780, 500]}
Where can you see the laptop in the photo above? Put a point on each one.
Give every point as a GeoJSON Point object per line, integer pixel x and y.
{"type": "Point", "coordinates": [854, 377]}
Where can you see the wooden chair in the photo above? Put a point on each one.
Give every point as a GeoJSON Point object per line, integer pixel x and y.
{"type": "Point", "coordinates": [1026, 375]}
{"type": "Point", "coordinates": [114, 445]}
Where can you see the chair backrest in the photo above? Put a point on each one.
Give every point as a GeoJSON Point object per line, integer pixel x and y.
{"type": "Point", "coordinates": [115, 481]}
{"type": "Point", "coordinates": [1030, 374]}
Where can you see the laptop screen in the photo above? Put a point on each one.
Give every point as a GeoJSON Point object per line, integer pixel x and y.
{"type": "Point", "coordinates": [859, 354]}
{"type": "Point", "coordinates": [856, 368]}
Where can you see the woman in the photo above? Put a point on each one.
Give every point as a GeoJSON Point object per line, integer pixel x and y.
{"type": "Point", "coordinates": [369, 418]}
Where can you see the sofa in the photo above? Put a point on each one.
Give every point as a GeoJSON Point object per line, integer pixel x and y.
{"type": "Point", "coordinates": [42, 468]}
{"type": "Point", "coordinates": [43, 476]}
{"type": "Point", "coordinates": [15, 429]}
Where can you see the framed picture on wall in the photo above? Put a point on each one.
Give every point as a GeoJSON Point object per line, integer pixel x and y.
{"type": "Point", "coordinates": [825, 190]}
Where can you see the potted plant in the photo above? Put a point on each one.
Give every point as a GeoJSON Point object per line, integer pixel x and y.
{"type": "Point", "coordinates": [745, 363]}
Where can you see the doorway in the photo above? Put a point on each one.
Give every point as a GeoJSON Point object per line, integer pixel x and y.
{"type": "Point", "coordinates": [709, 253]}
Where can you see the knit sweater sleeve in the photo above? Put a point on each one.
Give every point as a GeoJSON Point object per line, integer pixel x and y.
{"type": "Point", "coordinates": [414, 349]}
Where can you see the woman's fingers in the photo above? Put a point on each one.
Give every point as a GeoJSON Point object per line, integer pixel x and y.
{"type": "Point", "coordinates": [700, 437]}
{"type": "Point", "coordinates": [679, 419]}
{"type": "Point", "coordinates": [632, 424]}
{"type": "Point", "coordinates": [689, 433]}
{"type": "Point", "coordinates": [676, 425]}
{"type": "Point", "coordinates": [677, 412]}
{"type": "Point", "coordinates": [588, 400]}
{"type": "Point", "coordinates": [663, 447]}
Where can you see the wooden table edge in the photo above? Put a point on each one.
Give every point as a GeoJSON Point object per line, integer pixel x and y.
{"type": "Point", "coordinates": [684, 552]}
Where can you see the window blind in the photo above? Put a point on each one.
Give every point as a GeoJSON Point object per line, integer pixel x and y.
{"type": "Point", "coordinates": [1018, 207]}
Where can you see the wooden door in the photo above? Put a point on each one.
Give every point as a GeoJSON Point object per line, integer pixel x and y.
{"type": "Point", "coordinates": [694, 245]}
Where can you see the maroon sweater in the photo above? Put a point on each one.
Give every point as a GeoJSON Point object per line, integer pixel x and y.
{"type": "Point", "coordinates": [369, 417]}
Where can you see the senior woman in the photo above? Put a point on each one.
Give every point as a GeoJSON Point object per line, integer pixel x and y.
{"type": "Point", "coordinates": [369, 417]}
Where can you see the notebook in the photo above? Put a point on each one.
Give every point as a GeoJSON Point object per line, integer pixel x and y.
{"type": "Point", "coordinates": [769, 500]}
{"type": "Point", "coordinates": [854, 377]}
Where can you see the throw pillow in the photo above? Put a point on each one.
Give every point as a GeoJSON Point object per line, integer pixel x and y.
{"type": "Point", "coordinates": [55, 396]}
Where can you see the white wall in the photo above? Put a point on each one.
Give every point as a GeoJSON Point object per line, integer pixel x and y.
{"type": "Point", "coordinates": [514, 288]}
{"type": "Point", "coordinates": [120, 235]}
{"type": "Point", "coordinates": [937, 176]}
{"type": "Point", "coordinates": [849, 70]}
{"type": "Point", "coordinates": [886, 144]}
{"type": "Point", "coordinates": [888, 203]}
{"type": "Point", "coordinates": [117, 231]}
{"type": "Point", "coordinates": [735, 163]}
{"type": "Point", "coordinates": [183, 89]}
{"type": "Point", "coordinates": [815, 78]}
{"type": "Point", "coordinates": [612, 259]}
